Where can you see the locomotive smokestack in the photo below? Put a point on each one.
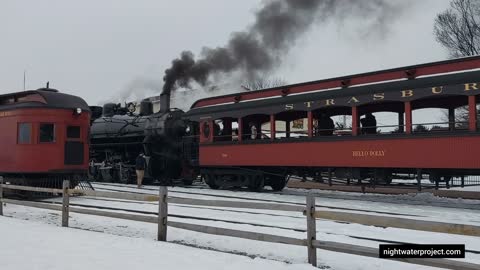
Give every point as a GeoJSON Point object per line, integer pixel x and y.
{"type": "Point", "coordinates": [164, 102]}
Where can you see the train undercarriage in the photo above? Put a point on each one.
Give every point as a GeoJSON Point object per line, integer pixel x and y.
{"type": "Point", "coordinates": [114, 160]}
{"type": "Point", "coordinates": [256, 178]}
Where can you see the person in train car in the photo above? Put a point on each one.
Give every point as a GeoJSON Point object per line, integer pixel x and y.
{"type": "Point", "coordinates": [140, 169]}
{"type": "Point", "coordinates": [253, 130]}
{"type": "Point", "coordinates": [217, 130]}
{"type": "Point", "coordinates": [325, 125]}
{"type": "Point", "coordinates": [235, 134]}
{"type": "Point", "coordinates": [369, 124]}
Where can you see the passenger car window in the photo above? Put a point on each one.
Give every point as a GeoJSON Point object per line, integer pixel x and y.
{"type": "Point", "coordinates": [47, 133]}
{"type": "Point", "coordinates": [73, 132]}
{"type": "Point", "coordinates": [24, 132]}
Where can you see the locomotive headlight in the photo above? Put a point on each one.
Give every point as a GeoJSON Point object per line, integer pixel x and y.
{"type": "Point", "coordinates": [78, 111]}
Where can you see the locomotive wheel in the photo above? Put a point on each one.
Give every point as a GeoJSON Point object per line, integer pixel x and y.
{"type": "Point", "coordinates": [256, 183]}
{"type": "Point", "coordinates": [278, 183]}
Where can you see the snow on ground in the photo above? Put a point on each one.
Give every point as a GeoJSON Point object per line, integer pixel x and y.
{"type": "Point", "coordinates": [465, 211]}
{"type": "Point", "coordinates": [28, 245]}
{"type": "Point", "coordinates": [470, 188]}
{"type": "Point", "coordinates": [272, 222]}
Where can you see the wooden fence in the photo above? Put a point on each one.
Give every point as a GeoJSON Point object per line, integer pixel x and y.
{"type": "Point", "coordinates": [308, 210]}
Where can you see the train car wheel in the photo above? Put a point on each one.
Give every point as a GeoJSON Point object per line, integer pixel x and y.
{"type": "Point", "coordinates": [187, 182]}
{"type": "Point", "coordinates": [256, 183]}
{"type": "Point", "coordinates": [278, 183]}
{"type": "Point", "coordinates": [210, 181]}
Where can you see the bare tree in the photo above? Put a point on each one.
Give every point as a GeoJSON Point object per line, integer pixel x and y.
{"type": "Point", "coordinates": [263, 83]}
{"type": "Point", "coordinates": [458, 28]}
{"type": "Point", "coordinates": [461, 116]}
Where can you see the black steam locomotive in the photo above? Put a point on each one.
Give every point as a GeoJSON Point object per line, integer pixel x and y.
{"type": "Point", "coordinates": [119, 134]}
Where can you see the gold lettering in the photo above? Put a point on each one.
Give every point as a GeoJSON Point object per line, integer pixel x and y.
{"type": "Point", "coordinates": [378, 96]}
{"type": "Point", "coordinates": [368, 153]}
{"type": "Point", "coordinates": [407, 93]}
{"type": "Point", "coordinates": [471, 86]}
{"type": "Point", "coordinates": [309, 103]}
{"type": "Point", "coordinates": [437, 90]}
{"type": "Point", "coordinates": [329, 102]}
{"type": "Point", "coordinates": [354, 99]}
{"type": "Point", "coordinates": [288, 107]}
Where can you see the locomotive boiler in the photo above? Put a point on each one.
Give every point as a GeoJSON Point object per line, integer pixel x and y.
{"type": "Point", "coordinates": [119, 134]}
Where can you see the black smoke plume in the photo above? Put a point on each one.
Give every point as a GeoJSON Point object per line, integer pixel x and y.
{"type": "Point", "coordinates": [278, 25]}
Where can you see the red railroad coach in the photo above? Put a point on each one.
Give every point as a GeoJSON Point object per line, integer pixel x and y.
{"type": "Point", "coordinates": [43, 137]}
{"type": "Point", "coordinates": [257, 138]}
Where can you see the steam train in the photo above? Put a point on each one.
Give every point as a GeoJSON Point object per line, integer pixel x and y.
{"type": "Point", "coordinates": [119, 134]}
{"type": "Point", "coordinates": [252, 139]}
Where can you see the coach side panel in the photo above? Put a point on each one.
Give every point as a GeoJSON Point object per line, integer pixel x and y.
{"type": "Point", "coordinates": [459, 152]}
{"type": "Point", "coordinates": [34, 140]}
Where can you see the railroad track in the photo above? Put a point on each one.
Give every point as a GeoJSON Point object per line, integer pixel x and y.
{"type": "Point", "coordinates": [377, 198]}
{"type": "Point", "coordinates": [341, 196]}
{"type": "Point", "coordinates": [254, 199]}
{"type": "Point", "coordinates": [198, 207]}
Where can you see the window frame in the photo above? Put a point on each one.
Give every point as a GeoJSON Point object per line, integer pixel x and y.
{"type": "Point", "coordinates": [30, 141]}
{"type": "Point", "coordinates": [73, 138]}
{"type": "Point", "coordinates": [40, 133]}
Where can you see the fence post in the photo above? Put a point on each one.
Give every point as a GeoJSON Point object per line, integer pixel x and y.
{"type": "Point", "coordinates": [1, 195]}
{"type": "Point", "coordinates": [65, 203]}
{"type": "Point", "coordinates": [311, 230]}
{"type": "Point", "coordinates": [162, 214]}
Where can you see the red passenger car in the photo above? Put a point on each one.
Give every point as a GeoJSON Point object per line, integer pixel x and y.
{"type": "Point", "coordinates": [43, 137]}
{"type": "Point", "coordinates": [258, 138]}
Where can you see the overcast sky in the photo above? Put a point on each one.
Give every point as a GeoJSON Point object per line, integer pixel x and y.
{"type": "Point", "coordinates": [98, 49]}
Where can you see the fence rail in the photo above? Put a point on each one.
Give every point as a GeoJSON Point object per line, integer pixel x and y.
{"type": "Point", "coordinates": [373, 253]}
{"type": "Point", "coordinates": [402, 223]}
{"type": "Point", "coordinates": [115, 195]}
{"type": "Point", "coordinates": [235, 204]}
{"type": "Point", "coordinates": [308, 210]}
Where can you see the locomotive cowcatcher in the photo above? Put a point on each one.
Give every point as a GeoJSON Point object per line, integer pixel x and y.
{"type": "Point", "coordinates": [44, 138]}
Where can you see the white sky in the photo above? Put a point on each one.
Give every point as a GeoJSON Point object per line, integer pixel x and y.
{"type": "Point", "coordinates": [95, 49]}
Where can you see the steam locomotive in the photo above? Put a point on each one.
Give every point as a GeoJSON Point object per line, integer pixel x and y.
{"type": "Point", "coordinates": [119, 134]}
